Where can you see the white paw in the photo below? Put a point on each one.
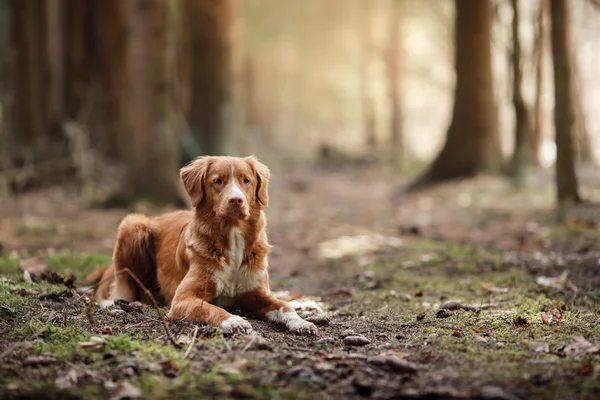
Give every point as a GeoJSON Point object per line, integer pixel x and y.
{"type": "Point", "coordinates": [107, 303]}
{"type": "Point", "coordinates": [298, 325]}
{"type": "Point", "coordinates": [236, 323]}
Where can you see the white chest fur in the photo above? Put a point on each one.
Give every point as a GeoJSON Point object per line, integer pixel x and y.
{"type": "Point", "coordinates": [235, 278]}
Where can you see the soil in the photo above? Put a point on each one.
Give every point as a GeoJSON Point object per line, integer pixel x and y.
{"type": "Point", "coordinates": [467, 289]}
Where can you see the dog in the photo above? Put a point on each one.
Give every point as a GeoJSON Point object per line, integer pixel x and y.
{"type": "Point", "coordinates": [204, 260]}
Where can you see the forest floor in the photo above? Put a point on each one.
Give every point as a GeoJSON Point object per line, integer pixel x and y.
{"type": "Point", "coordinates": [465, 290]}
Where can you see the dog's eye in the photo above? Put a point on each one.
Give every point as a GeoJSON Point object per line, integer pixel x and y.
{"type": "Point", "coordinates": [218, 181]}
{"type": "Point", "coordinates": [246, 180]}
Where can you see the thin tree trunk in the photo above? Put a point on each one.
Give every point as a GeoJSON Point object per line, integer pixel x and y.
{"type": "Point", "coordinates": [30, 103]}
{"type": "Point", "coordinates": [395, 56]}
{"type": "Point", "coordinates": [582, 135]}
{"type": "Point", "coordinates": [153, 145]}
{"type": "Point", "coordinates": [7, 69]}
{"type": "Point", "coordinates": [55, 62]}
{"type": "Point", "coordinates": [522, 123]}
{"type": "Point", "coordinates": [368, 108]}
{"type": "Point", "coordinates": [108, 34]}
{"type": "Point", "coordinates": [212, 108]}
{"type": "Point", "coordinates": [564, 116]}
{"type": "Point", "coordinates": [541, 44]}
{"type": "Point", "coordinates": [472, 141]}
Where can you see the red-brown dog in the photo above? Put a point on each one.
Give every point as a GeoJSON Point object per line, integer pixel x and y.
{"type": "Point", "coordinates": [212, 257]}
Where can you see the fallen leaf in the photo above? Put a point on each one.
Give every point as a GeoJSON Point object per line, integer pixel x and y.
{"type": "Point", "coordinates": [66, 381]}
{"type": "Point", "coordinates": [418, 293]}
{"type": "Point", "coordinates": [396, 364]}
{"type": "Point", "coordinates": [95, 343]}
{"type": "Point", "coordinates": [183, 339]}
{"type": "Point", "coordinates": [319, 320]}
{"type": "Point", "coordinates": [421, 316]}
{"type": "Point", "coordinates": [457, 333]}
{"type": "Point", "coordinates": [123, 390]}
{"type": "Point", "coordinates": [555, 315]}
{"type": "Point", "coordinates": [579, 345]}
{"type": "Point", "coordinates": [558, 282]}
{"type": "Point", "coordinates": [343, 292]}
{"type": "Point", "coordinates": [539, 346]}
{"type": "Point", "coordinates": [356, 340]}
{"type": "Point", "coordinates": [169, 368]}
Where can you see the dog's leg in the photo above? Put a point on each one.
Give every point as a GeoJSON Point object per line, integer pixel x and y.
{"type": "Point", "coordinates": [134, 249]}
{"type": "Point", "coordinates": [264, 305]}
{"type": "Point", "coordinates": [191, 302]}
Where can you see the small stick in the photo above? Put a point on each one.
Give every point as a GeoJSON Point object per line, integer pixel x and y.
{"type": "Point", "coordinates": [189, 349]}
{"type": "Point", "coordinates": [246, 347]}
{"type": "Point", "coordinates": [135, 278]}
{"type": "Point", "coordinates": [226, 344]}
{"type": "Point", "coordinates": [141, 323]}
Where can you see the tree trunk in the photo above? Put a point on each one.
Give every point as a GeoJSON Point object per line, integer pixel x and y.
{"type": "Point", "coordinates": [564, 116]}
{"type": "Point", "coordinates": [396, 51]}
{"type": "Point", "coordinates": [472, 141]}
{"type": "Point", "coordinates": [212, 108]}
{"type": "Point", "coordinates": [31, 89]}
{"type": "Point", "coordinates": [582, 135]}
{"type": "Point", "coordinates": [108, 35]}
{"type": "Point", "coordinates": [522, 123]}
{"type": "Point", "coordinates": [7, 69]}
{"type": "Point", "coordinates": [152, 142]}
{"type": "Point", "coordinates": [541, 43]}
{"type": "Point", "coordinates": [368, 108]}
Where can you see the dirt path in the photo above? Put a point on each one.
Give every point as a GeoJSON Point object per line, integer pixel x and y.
{"type": "Point", "coordinates": [364, 265]}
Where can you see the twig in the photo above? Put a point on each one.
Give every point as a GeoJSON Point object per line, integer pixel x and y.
{"type": "Point", "coordinates": [140, 323]}
{"type": "Point", "coordinates": [143, 287]}
{"type": "Point", "coordinates": [189, 349]}
{"type": "Point", "coordinates": [246, 347]}
{"type": "Point", "coordinates": [226, 344]}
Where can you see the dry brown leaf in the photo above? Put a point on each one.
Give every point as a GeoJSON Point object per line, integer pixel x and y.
{"type": "Point", "coordinates": [457, 333]}
{"type": "Point", "coordinates": [586, 368]}
{"type": "Point", "coordinates": [579, 345]}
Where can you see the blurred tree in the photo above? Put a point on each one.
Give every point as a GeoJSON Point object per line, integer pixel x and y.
{"type": "Point", "coordinates": [522, 122]}
{"type": "Point", "coordinates": [540, 48]}
{"type": "Point", "coordinates": [564, 115]}
{"type": "Point", "coordinates": [395, 55]}
{"type": "Point", "coordinates": [6, 80]}
{"type": "Point", "coordinates": [472, 142]}
{"type": "Point", "coordinates": [583, 144]}
{"type": "Point", "coordinates": [152, 143]}
{"type": "Point", "coordinates": [366, 39]}
{"type": "Point", "coordinates": [212, 113]}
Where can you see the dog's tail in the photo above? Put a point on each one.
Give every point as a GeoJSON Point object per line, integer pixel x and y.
{"type": "Point", "coordinates": [135, 250]}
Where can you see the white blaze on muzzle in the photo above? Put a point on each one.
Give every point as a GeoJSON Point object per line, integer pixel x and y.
{"type": "Point", "coordinates": [235, 190]}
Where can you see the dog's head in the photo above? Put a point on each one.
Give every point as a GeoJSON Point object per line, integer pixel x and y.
{"type": "Point", "coordinates": [230, 186]}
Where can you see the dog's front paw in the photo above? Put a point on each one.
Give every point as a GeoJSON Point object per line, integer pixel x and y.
{"type": "Point", "coordinates": [236, 323]}
{"type": "Point", "coordinates": [302, 327]}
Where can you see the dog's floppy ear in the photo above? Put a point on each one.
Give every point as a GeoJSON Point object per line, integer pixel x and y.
{"type": "Point", "coordinates": [192, 177]}
{"type": "Point", "coordinates": [262, 176]}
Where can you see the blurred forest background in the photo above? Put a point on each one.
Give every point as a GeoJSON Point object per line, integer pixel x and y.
{"type": "Point", "coordinates": [120, 94]}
